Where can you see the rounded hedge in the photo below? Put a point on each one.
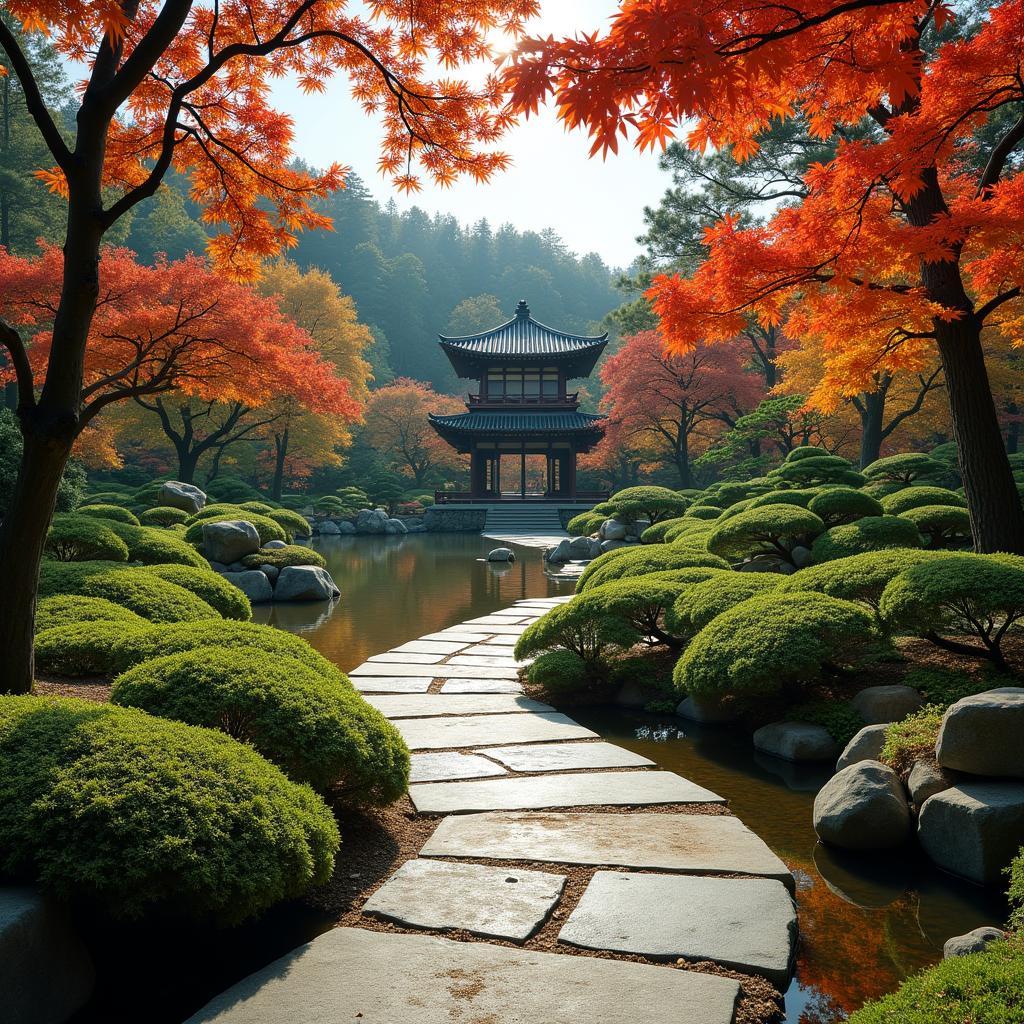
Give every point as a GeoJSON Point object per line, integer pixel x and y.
{"type": "Point", "coordinates": [872, 533]}
{"type": "Point", "coordinates": [698, 604]}
{"type": "Point", "coordinates": [657, 534]}
{"type": "Point", "coordinates": [116, 512]}
{"type": "Point", "coordinates": [798, 496]}
{"type": "Point", "coordinates": [67, 609]}
{"type": "Point", "coordinates": [838, 505]}
{"type": "Point", "coordinates": [316, 730]}
{"type": "Point", "coordinates": [942, 526]}
{"type": "Point", "coordinates": [705, 512]}
{"type": "Point", "coordinates": [93, 647]}
{"type": "Point", "coordinates": [905, 468]}
{"type": "Point", "coordinates": [120, 498]}
{"type": "Point", "coordinates": [819, 469]}
{"type": "Point", "coordinates": [768, 530]}
{"type": "Point", "coordinates": [280, 558]}
{"type": "Point", "coordinates": [74, 538]}
{"type": "Point", "coordinates": [585, 524]}
{"type": "Point", "coordinates": [651, 503]}
{"type": "Point", "coordinates": [293, 524]}
{"type": "Point", "coordinates": [208, 585]}
{"type": "Point", "coordinates": [806, 451]}
{"type": "Point", "coordinates": [642, 601]}
{"type": "Point", "coordinates": [584, 626]}
{"type": "Point", "coordinates": [916, 497]}
{"type": "Point", "coordinates": [257, 506]}
{"type": "Point", "coordinates": [647, 558]}
{"type": "Point", "coordinates": [265, 527]}
{"type": "Point", "coordinates": [560, 673]}
{"type": "Point", "coordinates": [688, 526]}
{"type": "Point", "coordinates": [135, 813]}
{"type": "Point", "coordinates": [772, 641]}
{"type": "Point", "coordinates": [152, 545]}
{"type": "Point", "coordinates": [163, 515]}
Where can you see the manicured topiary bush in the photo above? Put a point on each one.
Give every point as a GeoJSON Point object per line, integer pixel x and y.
{"type": "Point", "coordinates": [67, 609]}
{"type": "Point", "coordinates": [120, 498]}
{"type": "Point", "coordinates": [257, 506]}
{"type": "Point", "coordinates": [912, 739]}
{"type": "Point", "coordinates": [735, 509]}
{"type": "Point", "coordinates": [92, 647]}
{"type": "Point", "coordinates": [152, 545]}
{"type": "Point", "coordinates": [292, 523]}
{"type": "Point", "coordinates": [796, 496]}
{"type": "Point", "coordinates": [217, 509]}
{"type": "Point", "coordinates": [641, 602]}
{"type": "Point", "coordinates": [658, 533]}
{"type": "Point", "coordinates": [111, 805]}
{"type": "Point", "coordinates": [770, 530]}
{"type": "Point", "coordinates": [698, 604]}
{"type": "Point", "coordinates": [952, 597]}
{"type": "Point", "coordinates": [74, 538]}
{"type": "Point", "coordinates": [587, 628]}
{"type": "Point", "coordinates": [316, 730]}
{"type": "Point", "coordinates": [638, 561]}
{"type": "Point", "coordinates": [280, 558]}
{"type": "Point", "coordinates": [163, 515]}
{"type": "Point", "coordinates": [872, 533]}
{"type": "Point", "coordinates": [818, 469]}
{"type": "Point", "coordinates": [838, 505]}
{"type": "Point", "coordinates": [688, 526]}
{"type": "Point", "coordinates": [771, 642]}
{"type": "Point", "coordinates": [1016, 891]}
{"type": "Point", "coordinates": [211, 587]}
{"type": "Point", "coordinates": [562, 673]}
{"type": "Point", "coordinates": [115, 512]}
{"type": "Point", "coordinates": [915, 497]}
{"type": "Point", "coordinates": [584, 524]}
{"type": "Point", "coordinates": [706, 512]}
{"type": "Point", "coordinates": [806, 451]}
{"type": "Point", "coordinates": [650, 503]}
{"type": "Point", "coordinates": [265, 527]}
{"type": "Point", "coordinates": [942, 526]}
{"type": "Point", "coordinates": [232, 489]}
{"type": "Point", "coordinates": [905, 468]}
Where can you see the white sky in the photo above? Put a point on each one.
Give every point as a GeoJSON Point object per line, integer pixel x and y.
{"type": "Point", "coordinates": [595, 206]}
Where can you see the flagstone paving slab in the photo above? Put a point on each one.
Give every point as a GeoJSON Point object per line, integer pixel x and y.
{"type": "Point", "coordinates": [748, 924]}
{"type": "Point", "coordinates": [449, 765]}
{"type": "Point", "coordinates": [559, 757]}
{"type": "Point", "coordinates": [503, 630]}
{"type": "Point", "coordinates": [499, 641]}
{"type": "Point", "coordinates": [452, 635]}
{"type": "Point", "coordinates": [487, 650]}
{"type": "Point", "coordinates": [497, 903]}
{"type": "Point", "coordinates": [389, 978]}
{"type": "Point", "coordinates": [445, 671]}
{"type": "Point", "coordinates": [481, 686]}
{"type": "Point", "coordinates": [486, 660]}
{"type": "Point", "coordinates": [426, 705]}
{"type": "Point", "coordinates": [430, 647]}
{"type": "Point", "coordinates": [484, 730]}
{"type": "Point", "coordinates": [684, 843]}
{"type": "Point", "coordinates": [391, 684]}
{"type": "Point", "coordinates": [570, 790]}
{"type": "Point", "coordinates": [500, 620]}
{"type": "Point", "coordinates": [400, 658]}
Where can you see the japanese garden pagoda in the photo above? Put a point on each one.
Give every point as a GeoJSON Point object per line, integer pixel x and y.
{"type": "Point", "coordinates": [523, 428]}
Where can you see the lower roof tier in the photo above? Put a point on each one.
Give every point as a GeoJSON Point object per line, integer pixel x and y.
{"type": "Point", "coordinates": [585, 428]}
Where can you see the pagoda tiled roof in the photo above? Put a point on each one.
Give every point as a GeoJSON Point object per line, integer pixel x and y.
{"type": "Point", "coordinates": [478, 423]}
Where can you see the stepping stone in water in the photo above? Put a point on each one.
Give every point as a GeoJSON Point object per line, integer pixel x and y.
{"type": "Point", "coordinates": [481, 730]}
{"type": "Point", "coordinates": [557, 757]}
{"type": "Point", "coordinates": [499, 903]}
{"type": "Point", "coordinates": [339, 977]}
{"type": "Point", "coordinates": [391, 684]}
{"type": "Point", "coordinates": [370, 668]}
{"type": "Point", "coordinates": [450, 765]}
{"type": "Point", "coordinates": [481, 686]}
{"type": "Point", "coordinates": [426, 705]}
{"type": "Point", "coordinates": [748, 924]}
{"type": "Point", "coordinates": [429, 647]}
{"type": "Point", "coordinates": [573, 790]}
{"type": "Point", "coordinates": [685, 843]}
{"type": "Point", "coordinates": [400, 658]}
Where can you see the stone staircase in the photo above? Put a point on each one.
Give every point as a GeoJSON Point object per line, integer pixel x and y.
{"type": "Point", "coordinates": [526, 517]}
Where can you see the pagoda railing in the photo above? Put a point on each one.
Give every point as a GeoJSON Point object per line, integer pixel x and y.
{"type": "Point", "coordinates": [466, 498]}
{"type": "Point", "coordinates": [497, 402]}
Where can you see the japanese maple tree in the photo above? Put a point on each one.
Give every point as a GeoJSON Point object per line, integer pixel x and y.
{"type": "Point", "coordinates": [911, 238]}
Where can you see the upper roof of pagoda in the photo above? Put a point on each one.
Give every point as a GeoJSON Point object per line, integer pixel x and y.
{"type": "Point", "coordinates": [523, 340]}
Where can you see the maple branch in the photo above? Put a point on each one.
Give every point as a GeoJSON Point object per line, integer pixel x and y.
{"type": "Point", "coordinates": [34, 99]}
{"type": "Point", "coordinates": [928, 385]}
{"type": "Point", "coordinates": [997, 159]}
{"type": "Point", "coordinates": [993, 304]}
{"type": "Point", "coordinates": [12, 341]}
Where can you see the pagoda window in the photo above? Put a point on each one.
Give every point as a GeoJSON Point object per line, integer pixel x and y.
{"type": "Point", "coordinates": [532, 382]}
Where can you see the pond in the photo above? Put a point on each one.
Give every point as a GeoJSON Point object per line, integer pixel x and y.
{"type": "Point", "coordinates": [865, 924]}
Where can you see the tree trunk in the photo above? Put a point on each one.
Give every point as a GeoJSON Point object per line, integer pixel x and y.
{"type": "Point", "coordinates": [280, 455]}
{"type": "Point", "coordinates": [1012, 429]}
{"type": "Point", "coordinates": [683, 461]}
{"type": "Point", "coordinates": [188, 459]}
{"type": "Point", "coordinates": [872, 414]}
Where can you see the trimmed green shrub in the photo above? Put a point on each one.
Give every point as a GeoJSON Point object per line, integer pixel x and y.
{"type": "Point", "coordinates": [88, 648]}
{"type": "Point", "coordinates": [770, 642]}
{"type": "Point", "coordinates": [905, 468]}
{"type": "Point", "coordinates": [818, 469]}
{"type": "Point", "coordinates": [152, 545]}
{"type": "Point", "coordinates": [120, 498]}
{"type": "Point", "coordinates": [839, 717]}
{"type": "Point", "coordinates": [771, 530]}
{"type": "Point", "coordinates": [562, 673]}
{"type": "Point", "coordinates": [688, 526]}
{"type": "Point", "coordinates": [942, 526]}
{"type": "Point", "coordinates": [1016, 891]}
{"type": "Point", "coordinates": [838, 505]}
{"type": "Point", "coordinates": [211, 587]}
{"type": "Point", "coordinates": [317, 731]}
{"type": "Point", "coordinates": [698, 604]}
{"type": "Point", "coordinates": [961, 595]}
{"type": "Point", "coordinates": [280, 558]}
{"type": "Point", "coordinates": [860, 577]}
{"type": "Point", "coordinates": [584, 524]}
{"type": "Point", "coordinates": [265, 527]}
{"type": "Point", "coordinates": [163, 515]}
{"type": "Point", "coordinates": [67, 609]}
{"type": "Point", "coordinates": [907, 498]}
{"type": "Point", "coordinates": [801, 497]}
{"type": "Point", "coordinates": [585, 627]}
{"type": "Point", "coordinates": [650, 503]}
{"type": "Point", "coordinates": [217, 509]}
{"type": "Point", "coordinates": [115, 512]}
{"type": "Point", "coordinates": [231, 489]}
{"type": "Point", "coordinates": [706, 512]}
{"type": "Point", "coordinates": [257, 506]}
{"type": "Point", "coordinates": [945, 686]}
{"type": "Point", "coordinates": [74, 538]}
{"type": "Point", "coordinates": [736, 508]}
{"type": "Point", "coordinates": [912, 739]}
{"type": "Point", "coordinates": [806, 451]}
{"type": "Point", "coordinates": [872, 533]}
{"type": "Point", "coordinates": [111, 805]}
{"type": "Point", "coordinates": [638, 561]}
{"type": "Point", "coordinates": [641, 602]}
{"type": "Point", "coordinates": [292, 523]}
{"type": "Point", "coordinates": [657, 534]}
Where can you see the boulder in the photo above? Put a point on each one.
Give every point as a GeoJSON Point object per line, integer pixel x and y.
{"type": "Point", "coordinates": [395, 527]}
{"type": "Point", "coordinates": [926, 779]}
{"type": "Point", "coordinates": [973, 942]}
{"type": "Point", "coordinates": [370, 520]}
{"type": "Point", "coordinates": [218, 566]}
{"type": "Point", "coordinates": [974, 829]}
{"type": "Point", "coordinates": [882, 704]}
{"type": "Point", "coordinates": [501, 555]}
{"type": "Point", "coordinates": [230, 541]}
{"type": "Point", "coordinates": [583, 549]}
{"type": "Point", "coordinates": [863, 807]}
{"type": "Point", "coordinates": [865, 746]}
{"type": "Point", "coordinates": [706, 710]}
{"type": "Point", "coordinates": [801, 556]}
{"type": "Point", "coordinates": [983, 734]}
{"type": "Point", "coordinates": [274, 545]}
{"type": "Point", "coordinates": [635, 529]}
{"type": "Point", "coordinates": [796, 741]}
{"type": "Point", "coordinates": [612, 529]}
{"type": "Point", "coordinates": [270, 571]}
{"type": "Point", "coordinates": [188, 498]}
{"type": "Point", "coordinates": [254, 583]}
{"type": "Point", "coordinates": [329, 528]}
{"type": "Point", "coordinates": [305, 583]}
{"type": "Point", "coordinates": [45, 970]}
{"type": "Point", "coordinates": [612, 545]}
{"type": "Point", "coordinates": [345, 528]}
{"type": "Point", "coordinates": [560, 553]}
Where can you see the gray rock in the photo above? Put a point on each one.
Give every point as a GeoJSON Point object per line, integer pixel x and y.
{"type": "Point", "coordinates": [801, 556]}
{"type": "Point", "coordinates": [448, 765]}
{"type": "Point", "coordinates": [974, 829]}
{"type": "Point", "coordinates": [274, 545]}
{"type": "Point", "coordinates": [706, 710]}
{"type": "Point", "coordinates": [395, 526]}
{"type": "Point", "coordinates": [454, 519]}
{"type": "Point", "coordinates": [865, 746]}
{"type": "Point", "coordinates": [882, 704]}
{"type": "Point", "coordinates": [501, 555]}
{"type": "Point", "coordinates": [445, 733]}
{"type": "Point", "coordinates": [254, 583]}
{"type": "Point", "coordinates": [926, 779]}
{"type": "Point", "coordinates": [583, 549]}
{"type": "Point", "coordinates": [270, 571]}
{"type": "Point", "coordinates": [560, 553]}
{"type": "Point", "coordinates": [560, 757]}
{"type": "Point", "coordinates": [370, 521]}
{"type": "Point", "coordinates": [612, 529]}
{"type": "Point", "coordinates": [45, 971]}
{"type": "Point", "coordinates": [973, 942]}
{"type": "Point", "coordinates": [345, 528]}
{"type": "Point", "coordinates": [176, 494]}
{"type": "Point", "coordinates": [612, 545]}
{"type": "Point", "coordinates": [329, 528]}
{"type": "Point", "coordinates": [983, 734]}
{"type": "Point", "coordinates": [229, 541]}
{"type": "Point", "coordinates": [796, 741]}
{"type": "Point", "coordinates": [218, 566]}
{"type": "Point", "coordinates": [305, 583]}
{"type": "Point", "coordinates": [863, 807]}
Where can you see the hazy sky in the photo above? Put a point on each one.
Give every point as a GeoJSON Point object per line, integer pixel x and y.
{"type": "Point", "coordinates": [595, 206]}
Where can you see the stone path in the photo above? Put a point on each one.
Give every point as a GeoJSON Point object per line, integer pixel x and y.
{"type": "Point", "coordinates": [516, 781]}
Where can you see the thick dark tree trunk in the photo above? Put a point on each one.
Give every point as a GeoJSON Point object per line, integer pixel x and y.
{"type": "Point", "coordinates": [871, 406]}
{"type": "Point", "coordinates": [280, 455]}
{"type": "Point", "coordinates": [1012, 429]}
{"type": "Point", "coordinates": [683, 462]}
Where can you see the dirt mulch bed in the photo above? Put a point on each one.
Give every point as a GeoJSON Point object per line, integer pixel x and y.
{"type": "Point", "coordinates": [96, 688]}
